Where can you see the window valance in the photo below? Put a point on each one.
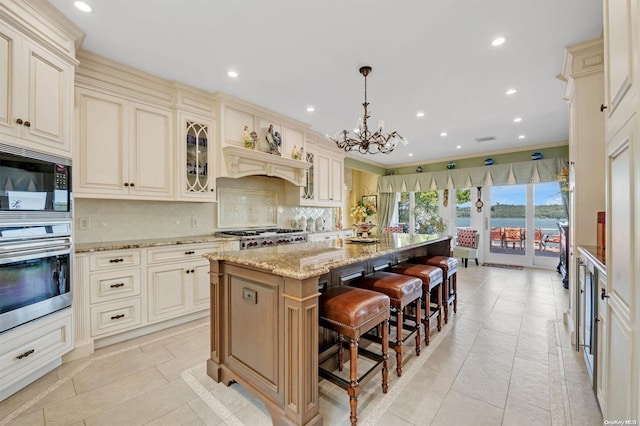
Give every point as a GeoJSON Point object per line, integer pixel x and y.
{"type": "Point", "coordinates": [534, 171]}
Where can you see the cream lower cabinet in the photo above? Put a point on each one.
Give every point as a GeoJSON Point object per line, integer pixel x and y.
{"type": "Point", "coordinates": [38, 87]}
{"type": "Point", "coordinates": [124, 149]}
{"type": "Point", "coordinates": [125, 293]}
{"type": "Point", "coordinates": [177, 280]}
{"type": "Point", "coordinates": [33, 349]}
{"type": "Point", "coordinates": [114, 292]}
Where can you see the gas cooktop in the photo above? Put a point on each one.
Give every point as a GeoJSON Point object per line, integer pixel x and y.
{"type": "Point", "coordinates": [258, 232]}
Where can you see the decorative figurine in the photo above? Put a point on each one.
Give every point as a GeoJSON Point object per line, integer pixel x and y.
{"type": "Point", "coordinates": [488, 162]}
{"type": "Point", "coordinates": [249, 141]}
{"type": "Point", "coordinates": [536, 156]}
{"type": "Point", "coordinates": [296, 153]}
{"type": "Point", "coordinates": [274, 140]}
{"type": "Point", "coordinates": [419, 169]}
{"type": "Point", "coordinates": [451, 165]}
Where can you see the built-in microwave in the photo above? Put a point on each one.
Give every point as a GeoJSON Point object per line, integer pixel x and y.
{"type": "Point", "coordinates": [33, 185]}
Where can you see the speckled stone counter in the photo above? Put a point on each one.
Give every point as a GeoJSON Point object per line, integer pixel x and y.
{"type": "Point", "coordinates": [301, 261]}
{"type": "Point", "coordinates": [155, 242]}
{"type": "Point", "coordinates": [264, 313]}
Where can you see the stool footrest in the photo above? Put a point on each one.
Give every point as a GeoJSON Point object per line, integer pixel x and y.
{"type": "Point", "coordinates": [363, 379]}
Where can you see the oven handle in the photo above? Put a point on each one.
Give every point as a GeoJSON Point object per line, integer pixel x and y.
{"type": "Point", "coordinates": [33, 245]}
{"type": "Point", "coordinates": [57, 250]}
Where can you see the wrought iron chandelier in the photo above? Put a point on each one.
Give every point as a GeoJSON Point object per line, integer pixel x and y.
{"type": "Point", "coordinates": [365, 141]}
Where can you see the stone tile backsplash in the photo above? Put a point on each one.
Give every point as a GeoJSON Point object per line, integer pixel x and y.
{"type": "Point", "coordinates": [121, 220]}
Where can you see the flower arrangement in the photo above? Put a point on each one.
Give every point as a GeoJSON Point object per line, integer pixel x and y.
{"type": "Point", "coordinates": [362, 209]}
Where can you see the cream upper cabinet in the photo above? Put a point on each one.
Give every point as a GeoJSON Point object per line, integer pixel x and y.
{"type": "Point", "coordinates": [621, 47]}
{"type": "Point", "coordinates": [124, 148]}
{"type": "Point", "coordinates": [197, 164]}
{"type": "Point", "coordinates": [329, 177]}
{"type": "Point", "coordinates": [36, 94]}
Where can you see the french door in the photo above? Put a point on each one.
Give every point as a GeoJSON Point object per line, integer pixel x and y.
{"type": "Point", "coordinates": [521, 224]}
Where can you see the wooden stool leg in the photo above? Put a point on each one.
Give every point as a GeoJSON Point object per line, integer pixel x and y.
{"type": "Point", "coordinates": [354, 387]}
{"type": "Point", "coordinates": [340, 352]}
{"type": "Point", "coordinates": [385, 356]}
{"type": "Point", "coordinates": [427, 317]}
{"type": "Point", "coordinates": [445, 299]}
{"type": "Point", "coordinates": [418, 311]}
{"type": "Point", "coordinates": [454, 278]}
{"type": "Point", "coordinates": [440, 307]}
{"type": "Point", "coordinates": [398, 346]}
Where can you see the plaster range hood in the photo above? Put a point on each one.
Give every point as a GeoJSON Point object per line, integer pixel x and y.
{"type": "Point", "coordinates": [241, 162]}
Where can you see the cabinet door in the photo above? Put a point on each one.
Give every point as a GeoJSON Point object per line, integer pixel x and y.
{"type": "Point", "coordinates": [622, 309]}
{"type": "Point", "coordinates": [200, 285]}
{"type": "Point", "coordinates": [10, 41]}
{"type": "Point", "coordinates": [168, 294]}
{"type": "Point", "coordinates": [337, 166]}
{"type": "Point", "coordinates": [620, 18]}
{"type": "Point", "coordinates": [196, 179]}
{"type": "Point", "coordinates": [323, 175]}
{"type": "Point", "coordinates": [101, 145]}
{"type": "Point", "coordinates": [49, 101]}
{"type": "Point", "coordinates": [150, 152]}
{"type": "Point", "coordinates": [601, 326]}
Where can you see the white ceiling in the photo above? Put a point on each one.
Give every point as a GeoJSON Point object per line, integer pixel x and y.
{"type": "Point", "coordinates": [433, 56]}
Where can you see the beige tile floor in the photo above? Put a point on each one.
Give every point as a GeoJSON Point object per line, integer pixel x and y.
{"type": "Point", "coordinates": [504, 359]}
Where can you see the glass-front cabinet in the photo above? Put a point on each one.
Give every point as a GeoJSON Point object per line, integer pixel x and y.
{"type": "Point", "coordinates": [198, 174]}
{"type": "Point", "coordinates": [308, 191]}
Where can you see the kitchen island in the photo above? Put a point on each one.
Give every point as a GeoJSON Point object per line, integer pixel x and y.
{"type": "Point", "coordinates": [264, 313]}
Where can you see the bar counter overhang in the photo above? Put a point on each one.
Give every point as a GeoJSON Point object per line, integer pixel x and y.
{"type": "Point", "coordinates": [264, 313]}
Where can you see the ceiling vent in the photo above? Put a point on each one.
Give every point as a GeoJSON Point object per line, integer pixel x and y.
{"type": "Point", "coordinates": [485, 139]}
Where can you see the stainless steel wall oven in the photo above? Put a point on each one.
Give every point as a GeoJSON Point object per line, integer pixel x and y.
{"type": "Point", "coordinates": [35, 271]}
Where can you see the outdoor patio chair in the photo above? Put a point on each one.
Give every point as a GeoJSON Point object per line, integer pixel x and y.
{"type": "Point", "coordinates": [513, 235]}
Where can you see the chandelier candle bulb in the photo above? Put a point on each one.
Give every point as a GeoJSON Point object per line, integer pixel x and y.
{"type": "Point", "coordinates": [380, 125]}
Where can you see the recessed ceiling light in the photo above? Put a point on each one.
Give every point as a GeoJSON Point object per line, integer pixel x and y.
{"type": "Point", "coordinates": [310, 109]}
{"type": "Point", "coordinates": [420, 114]}
{"type": "Point", "coordinates": [82, 6]}
{"type": "Point", "coordinates": [232, 74]}
{"type": "Point", "coordinates": [517, 119]}
{"type": "Point", "coordinates": [498, 41]}
{"type": "Point", "coordinates": [443, 134]}
{"type": "Point", "coordinates": [521, 137]}
{"type": "Point", "coordinates": [511, 91]}
{"type": "Point", "coordinates": [459, 147]}
{"type": "Point", "coordinates": [411, 154]}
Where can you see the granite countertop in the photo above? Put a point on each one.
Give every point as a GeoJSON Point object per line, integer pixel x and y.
{"type": "Point", "coordinates": [301, 261]}
{"type": "Point", "coordinates": [153, 242]}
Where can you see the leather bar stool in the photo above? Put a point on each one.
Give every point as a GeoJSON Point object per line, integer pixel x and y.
{"type": "Point", "coordinates": [351, 312]}
{"type": "Point", "coordinates": [431, 277]}
{"type": "Point", "coordinates": [403, 290]}
{"type": "Point", "coordinates": [449, 266]}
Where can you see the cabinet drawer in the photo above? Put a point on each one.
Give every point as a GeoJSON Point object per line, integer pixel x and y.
{"type": "Point", "coordinates": [181, 252]}
{"type": "Point", "coordinates": [114, 259]}
{"type": "Point", "coordinates": [118, 284]}
{"type": "Point", "coordinates": [115, 316]}
{"type": "Point", "coordinates": [27, 348]}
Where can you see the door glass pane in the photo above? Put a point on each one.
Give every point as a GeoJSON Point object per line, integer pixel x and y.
{"type": "Point", "coordinates": [550, 209]}
{"type": "Point", "coordinates": [463, 208]}
{"type": "Point", "coordinates": [507, 220]}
